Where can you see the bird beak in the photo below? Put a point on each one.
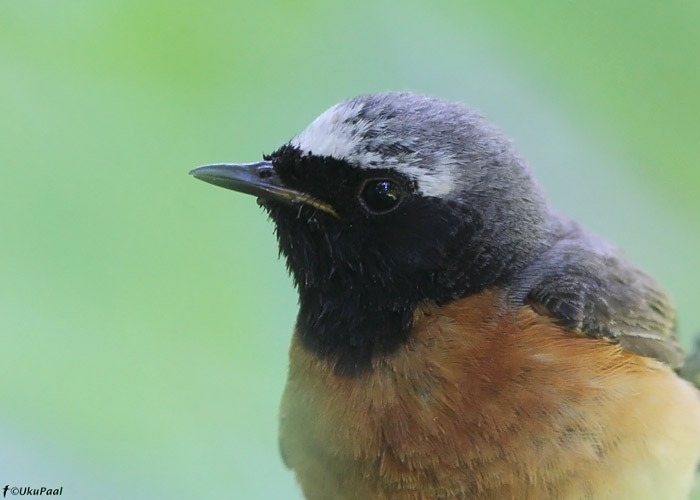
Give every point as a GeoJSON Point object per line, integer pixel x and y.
{"type": "Point", "coordinates": [258, 179]}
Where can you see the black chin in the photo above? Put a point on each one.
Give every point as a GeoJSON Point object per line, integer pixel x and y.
{"type": "Point", "coordinates": [359, 285]}
{"type": "Point", "coordinates": [360, 276]}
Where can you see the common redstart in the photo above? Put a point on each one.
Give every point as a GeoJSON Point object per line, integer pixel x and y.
{"type": "Point", "coordinates": [457, 338]}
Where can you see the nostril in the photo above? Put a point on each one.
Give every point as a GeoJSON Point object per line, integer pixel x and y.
{"type": "Point", "coordinates": [264, 172]}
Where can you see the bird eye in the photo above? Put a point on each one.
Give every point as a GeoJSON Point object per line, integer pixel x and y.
{"type": "Point", "coordinates": [380, 196]}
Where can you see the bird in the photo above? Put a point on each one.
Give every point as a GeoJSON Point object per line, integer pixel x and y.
{"type": "Point", "coordinates": [457, 337]}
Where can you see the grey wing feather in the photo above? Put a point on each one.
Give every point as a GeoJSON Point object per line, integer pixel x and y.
{"type": "Point", "coordinates": [588, 285]}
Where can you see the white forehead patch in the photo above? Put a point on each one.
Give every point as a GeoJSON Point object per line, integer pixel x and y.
{"type": "Point", "coordinates": [334, 134]}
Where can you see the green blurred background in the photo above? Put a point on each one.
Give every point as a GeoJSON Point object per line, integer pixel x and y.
{"type": "Point", "coordinates": [144, 316]}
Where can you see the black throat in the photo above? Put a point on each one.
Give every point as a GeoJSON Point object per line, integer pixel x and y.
{"type": "Point", "coordinates": [357, 298]}
{"type": "Point", "coordinates": [360, 278]}
{"type": "Point", "coordinates": [346, 328]}
{"type": "Point", "coordinates": [352, 307]}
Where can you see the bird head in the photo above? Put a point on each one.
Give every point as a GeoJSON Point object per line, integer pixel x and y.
{"type": "Point", "coordinates": [389, 200]}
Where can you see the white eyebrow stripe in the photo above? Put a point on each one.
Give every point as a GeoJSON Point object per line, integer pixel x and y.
{"type": "Point", "coordinates": [338, 133]}
{"type": "Point", "coordinates": [438, 183]}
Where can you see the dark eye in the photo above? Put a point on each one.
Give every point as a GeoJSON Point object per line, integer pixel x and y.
{"type": "Point", "coordinates": [380, 196]}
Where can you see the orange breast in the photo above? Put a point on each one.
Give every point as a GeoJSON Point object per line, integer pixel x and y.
{"type": "Point", "coordinates": [487, 403]}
